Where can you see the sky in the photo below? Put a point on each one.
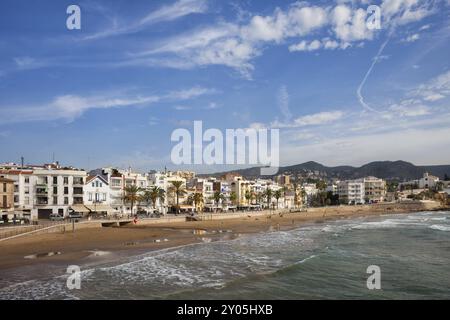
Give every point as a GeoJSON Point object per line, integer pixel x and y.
{"type": "Point", "coordinates": [111, 93]}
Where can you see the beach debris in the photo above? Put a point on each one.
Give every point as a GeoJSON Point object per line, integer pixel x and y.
{"type": "Point", "coordinates": [157, 240]}
{"type": "Point", "coordinates": [199, 231]}
{"type": "Point", "coordinates": [42, 255]}
{"type": "Point", "coordinates": [133, 243]}
{"type": "Point", "coordinates": [98, 253]}
{"type": "Point", "coordinates": [165, 240]}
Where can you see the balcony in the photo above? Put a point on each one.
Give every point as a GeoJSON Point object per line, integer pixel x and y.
{"type": "Point", "coordinates": [78, 191]}
{"type": "Point", "coordinates": [78, 181]}
{"type": "Point", "coordinates": [78, 200]}
{"type": "Point", "coordinates": [41, 201]}
{"type": "Point", "coordinates": [40, 190]}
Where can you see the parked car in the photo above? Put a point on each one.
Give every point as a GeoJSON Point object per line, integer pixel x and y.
{"type": "Point", "coordinates": [155, 215]}
{"type": "Point", "coordinates": [56, 217]}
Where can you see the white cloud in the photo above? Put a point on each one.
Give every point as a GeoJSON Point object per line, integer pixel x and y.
{"type": "Point", "coordinates": [410, 111]}
{"type": "Point", "coordinates": [412, 38]}
{"type": "Point", "coordinates": [436, 89]}
{"type": "Point", "coordinates": [434, 97]}
{"type": "Point", "coordinates": [169, 12]}
{"type": "Point", "coordinates": [212, 106]}
{"type": "Point", "coordinates": [181, 108]}
{"type": "Point", "coordinates": [237, 44]}
{"type": "Point", "coordinates": [350, 25]}
{"type": "Point", "coordinates": [318, 118]}
{"type": "Point", "coordinates": [305, 46]}
{"type": "Point", "coordinates": [407, 144]}
{"type": "Point", "coordinates": [70, 107]}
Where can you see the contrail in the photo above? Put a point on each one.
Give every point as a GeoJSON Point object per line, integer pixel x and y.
{"type": "Point", "coordinates": [363, 82]}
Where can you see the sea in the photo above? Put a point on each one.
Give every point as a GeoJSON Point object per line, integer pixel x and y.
{"type": "Point", "coordinates": [327, 260]}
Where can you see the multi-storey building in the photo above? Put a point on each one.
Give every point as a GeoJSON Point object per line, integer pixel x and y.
{"type": "Point", "coordinates": [374, 189]}
{"type": "Point", "coordinates": [6, 197]}
{"type": "Point", "coordinates": [40, 191]}
{"type": "Point", "coordinates": [351, 192]}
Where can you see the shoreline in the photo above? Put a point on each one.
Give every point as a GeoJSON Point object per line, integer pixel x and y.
{"type": "Point", "coordinates": [95, 246]}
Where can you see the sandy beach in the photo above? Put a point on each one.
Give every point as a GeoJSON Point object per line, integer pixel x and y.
{"type": "Point", "coordinates": [96, 245]}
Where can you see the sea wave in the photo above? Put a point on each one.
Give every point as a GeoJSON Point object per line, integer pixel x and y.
{"type": "Point", "coordinates": [440, 227]}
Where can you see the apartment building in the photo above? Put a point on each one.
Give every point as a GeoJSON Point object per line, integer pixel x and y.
{"type": "Point", "coordinates": [40, 191]}
{"type": "Point", "coordinates": [164, 181]}
{"type": "Point", "coordinates": [6, 197]}
{"type": "Point", "coordinates": [374, 189]}
{"type": "Point", "coordinates": [351, 192]}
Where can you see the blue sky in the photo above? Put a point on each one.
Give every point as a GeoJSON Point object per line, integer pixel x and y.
{"type": "Point", "coordinates": [112, 92]}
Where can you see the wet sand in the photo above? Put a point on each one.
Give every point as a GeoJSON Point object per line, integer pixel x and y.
{"type": "Point", "coordinates": [99, 245]}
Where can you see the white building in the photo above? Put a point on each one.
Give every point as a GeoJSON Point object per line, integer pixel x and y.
{"type": "Point", "coordinates": [428, 181]}
{"type": "Point", "coordinates": [374, 189]}
{"type": "Point", "coordinates": [97, 195]}
{"type": "Point", "coordinates": [351, 192]}
{"type": "Point", "coordinates": [40, 191]}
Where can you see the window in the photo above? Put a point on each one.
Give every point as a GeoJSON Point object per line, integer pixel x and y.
{"type": "Point", "coordinates": [96, 184]}
{"type": "Point", "coordinates": [27, 179]}
{"type": "Point", "coordinates": [66, 200]}
{"type": "Point", "coordinates": [101, 184]}
{"type": "Point", "coordinates": [66, 180]}
{"type": "Point", "coordinates": [26, 200]}
{"type": "Point", "coordinates": [115, 182]}
{"type": "Point", "coordinates": [104, 196]}
{"type": "Point", "coordinates": [55, 200]}
{"type": "Point", "coordinates": [5, 203]}
{"type": "Point", "coordinates": [16, 198]}
{"type": "Point", "coordinates": [66, 190]}
{"type": "Point", "coordinates": [55, 180]}
{"type": "Point", "coordinates": [55, 190]}
{"type": "Point", "coordinates": [90, 196]}
{"type": "Point", "coordinates": [97, 197]}
{"type": "Point", "coordinates": [93, 185]}
{"type": "Point", "coordinates": [4, 187]}
{"type": "Point", "coordinates": [27, 190]}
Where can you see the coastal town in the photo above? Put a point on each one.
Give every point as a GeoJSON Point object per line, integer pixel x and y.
{"type": "Point", "coordinates": [34, 193]}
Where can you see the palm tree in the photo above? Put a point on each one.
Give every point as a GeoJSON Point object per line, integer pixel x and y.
{"type": "Point", "coordinates": [233, 197]}
{"type": "Point", "coordinates": [217, 197]}
{"type": "Point", "coordinates": [285, 190]}
{"type": "Point", "coordinates": [197, 198]}
{"type": "Point", "coordinates": [132, 195]}
{"type": "Point", "coordinates": [295, 185]}
{"type": "Point", "coordinates": [248, 196]}
{"type": "Point", "coordinates": [155, 193]}
{"type": "Point", "coordinates": [268, 194]}
{"type": "Point", "coordinates": [146, 197]}
{"type": "Point", "coordinates": [179, 190]}
{"type": "Point", "coordinates": [277, 195]}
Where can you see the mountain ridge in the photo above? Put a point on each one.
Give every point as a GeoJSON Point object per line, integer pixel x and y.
{"type": "Point", "coordinates": [390, 170]}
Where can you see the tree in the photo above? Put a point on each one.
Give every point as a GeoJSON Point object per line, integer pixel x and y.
{"type": "Point", "coordinates": [179, 190]}
{"type": "Point", "coordinates": [321, 185]}
{"type": "Point", "coordinates": [132, 195]}
{"type": "Point", "coordinates": [268, 194]}
{"type": "Point", "coordinates": [285, 190]}
{"type": "Point", "coordinates": [155, 193]}
{"type": "Point", "coordinates": [233, 197]}
{"type": "Point", "coordinates": [197, 199]}
{"type": "Point", "coordinates": [248, 196]}
{"type": "Point", "coordinates": [277, 195]}
{"type": "Point", "coordinates": [217, 197]}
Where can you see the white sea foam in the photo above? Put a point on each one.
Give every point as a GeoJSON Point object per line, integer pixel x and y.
{"type": "Point", "coordinates": [440, 227]}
